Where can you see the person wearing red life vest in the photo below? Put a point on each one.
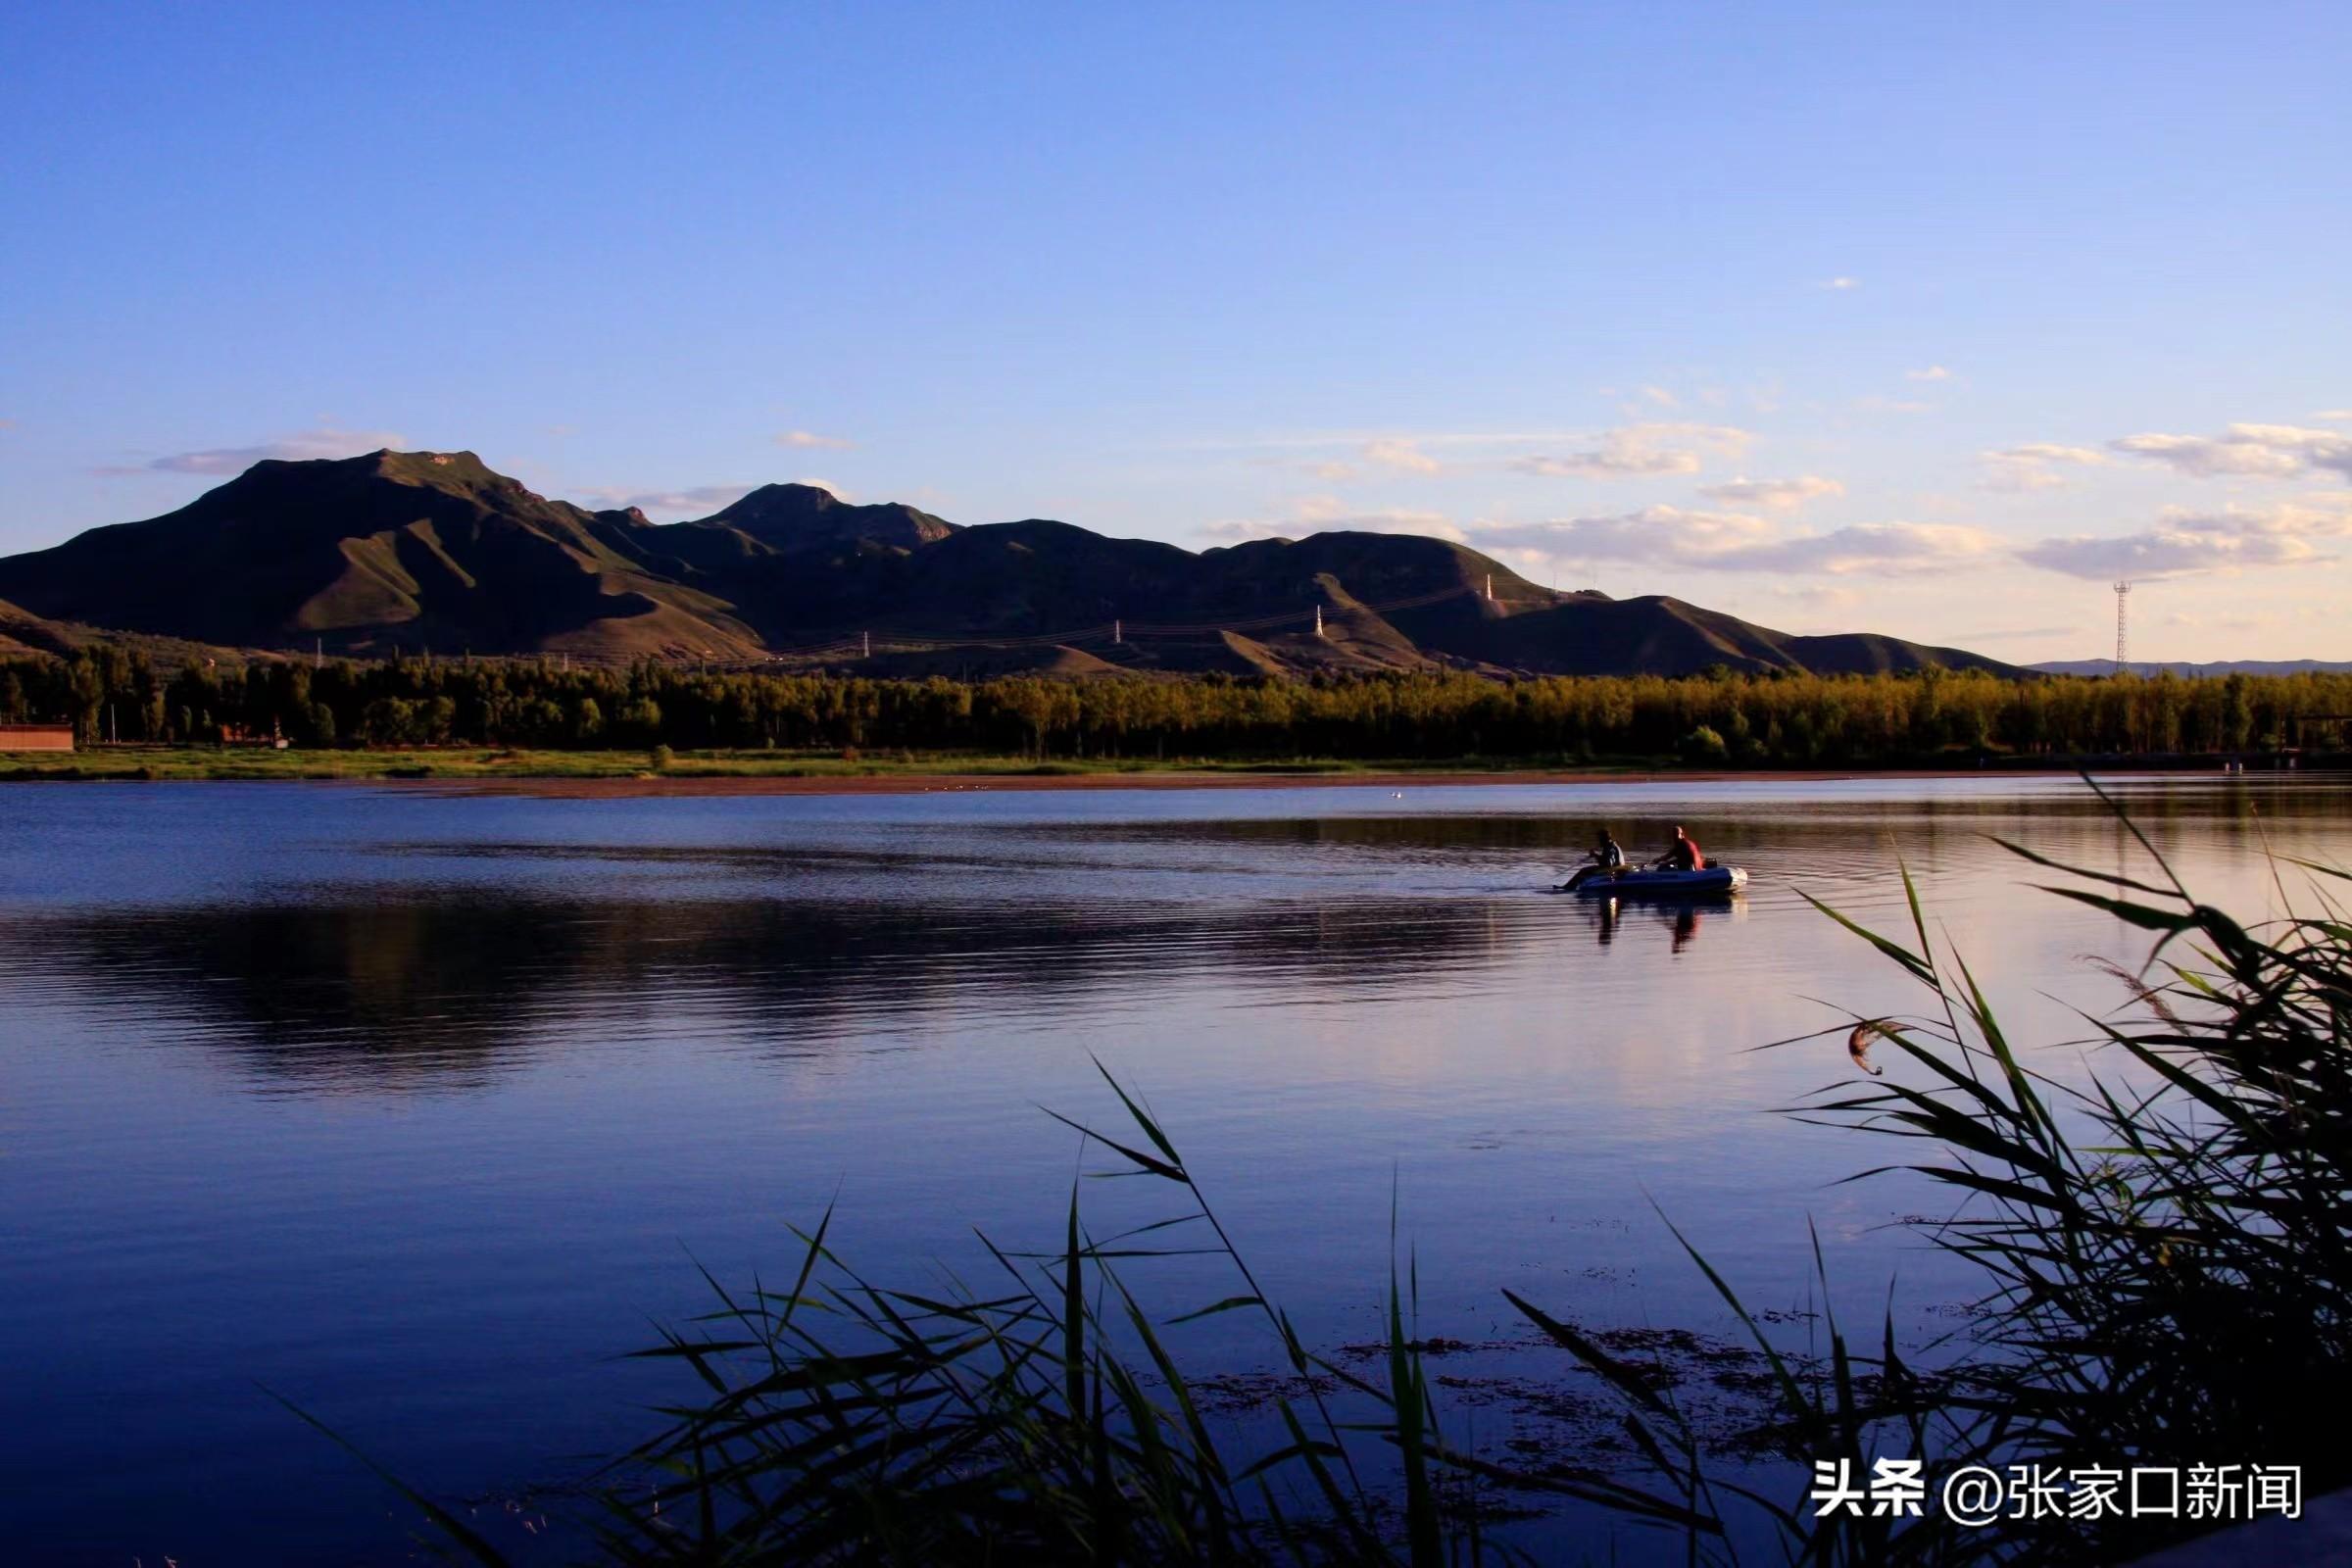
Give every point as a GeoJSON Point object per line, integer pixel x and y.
{"type": "Point", "coordinates": [1683, 853]}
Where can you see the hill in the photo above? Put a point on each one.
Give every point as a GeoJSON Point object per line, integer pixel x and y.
{"type": "Point", "coordinates": [409, 551]}
{"type": "Point", "coordinates": [21, 632]}
{"type": "Point", "coordinates": [364, 555]}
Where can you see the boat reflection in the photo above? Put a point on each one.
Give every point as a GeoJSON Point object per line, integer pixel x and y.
{"type": "Point", "coordinates": [1681, 916]}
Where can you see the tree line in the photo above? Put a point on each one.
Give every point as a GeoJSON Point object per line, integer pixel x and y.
{"type": "Point", "coordinates": [109, 692]}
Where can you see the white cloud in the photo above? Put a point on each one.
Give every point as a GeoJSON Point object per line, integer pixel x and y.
{"type": "Point", "coordinates": [2035, 466]}
{"type": "Point", "coordinates": [1400, 455]}
{"type": "Point", "coordinates": [2325, 514]}
{"type": "Point", "coordinates": [1934, 372]}
{"type": "Point", "coordinates": [1775, 495]}
{"type": "Point", "coordinates": [328, 441]}
{"type": "Point", "coordinates": [2266, 450]}
{"type": "Point", "coordinates": [809, 440]}
{"type": "Point", "coordinates": [1840, 285]}
{"type": "Point", "coordinates": [1878, 548]}
{"type": "Point", "coordinates": [2185, 541]}
{"type": "Point", "coordinates": [1733, 541]}
{"type": "Point", "coordinates": [699, 500]}
{"type": "Point", "coordinates": [2334, 416]}
{"type": "Point", "coordinates": [2163, 553]}
{"type": "Point", "coordinates": [1637, 450]}
{"type": "Point", "coordinates": [1659, 533]}
{"type": "Point", "coordinates": [1662, 398]}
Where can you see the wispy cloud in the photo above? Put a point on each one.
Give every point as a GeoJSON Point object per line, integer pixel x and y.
{"type": "Point", "coordinates": [2334, 416]}
{"type": "Point", "coordinates": [2325, 514]}
{"type": "Point", "coordinates": [2265, 451]}
{"type": "Point", "coordinates": [1934, 372]}
{"type": "Point", "coordinates": [1403, 455]}
{"type": "Point", "coordinates": [1876, 549]}
{"type": "Point", "coordinates": [1357, 440]}
{"type": "Point", "coordinates": [1636, 451]}
{"type": "Point", "coordinates": [2163, 553]}
{"type": "Point", "coordinates": [1841, 285]}
{"type": "Point", "coordinates": [2035, 466]}
{"type": "Point", "coordinates": [1731, 541]}
{"type": "Point", "coordinates": [2185, 541]}
{"type": "Point", "coordinates": [1775, 495]}
{"type": "Point", "coordinates": [1659, 533]}
{"type": "Point", "coordinates": [809, 440]}
{"type": "Point", "coordinates": [698, 499]}
{"type": "Point", "coordinates": [1968, 639]}
{"type": "Point", "coordinates": [328, 441]}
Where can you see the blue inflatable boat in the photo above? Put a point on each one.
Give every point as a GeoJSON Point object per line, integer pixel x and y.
{"type": "Point", "coordinates": [1714, 879]}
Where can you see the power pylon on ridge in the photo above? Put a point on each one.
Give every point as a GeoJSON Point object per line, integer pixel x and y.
{"type": "Point", "coordinates": [2122, 598]}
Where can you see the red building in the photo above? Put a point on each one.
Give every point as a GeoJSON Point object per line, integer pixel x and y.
{"type": "Point", "coordinates": [36, 737]}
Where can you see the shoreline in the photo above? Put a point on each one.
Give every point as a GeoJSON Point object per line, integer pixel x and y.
{"type": "Point", "coordinates": [689, 784]}
{"type": "Point", "coordinates": [719, 785]}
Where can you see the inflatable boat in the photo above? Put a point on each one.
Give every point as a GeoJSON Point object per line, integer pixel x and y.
{"type": "Point", "coordinates": [1715, 879]}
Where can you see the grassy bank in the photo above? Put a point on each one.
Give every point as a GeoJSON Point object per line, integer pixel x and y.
{"type": "Point", "coordinates": [453, 763]}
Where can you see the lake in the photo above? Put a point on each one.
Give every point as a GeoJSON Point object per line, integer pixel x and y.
{"type": "Point", "coordinates": [420, 1107]}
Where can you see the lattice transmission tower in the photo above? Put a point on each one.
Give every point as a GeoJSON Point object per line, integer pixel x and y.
{"type": "Point", "coordinates": [2123, 645]}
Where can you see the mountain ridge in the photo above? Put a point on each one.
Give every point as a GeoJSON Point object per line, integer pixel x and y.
{"type": "Point", "coordinates": [2178, 666]}
{"type": "Point", "coordinates": [414, 550]}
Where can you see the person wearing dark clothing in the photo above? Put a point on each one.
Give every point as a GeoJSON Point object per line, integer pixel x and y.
{"type": "Point", "coordinates": [1608, 860]}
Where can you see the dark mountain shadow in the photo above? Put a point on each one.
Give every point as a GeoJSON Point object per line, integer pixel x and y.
{"type": "Point", "coordinates": [397, 992]}
{"type": "Point", "coordinates": [398, 551]}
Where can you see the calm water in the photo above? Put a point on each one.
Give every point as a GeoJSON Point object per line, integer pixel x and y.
{"type": "Point", "coordinates": [417, 1108]}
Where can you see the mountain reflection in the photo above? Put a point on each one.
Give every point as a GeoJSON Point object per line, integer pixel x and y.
{"type": "Point", "coordinates": [414, 989]}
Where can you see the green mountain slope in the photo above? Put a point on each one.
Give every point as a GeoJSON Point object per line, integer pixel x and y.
{"type": "Point", "coordinates": [424, 550]}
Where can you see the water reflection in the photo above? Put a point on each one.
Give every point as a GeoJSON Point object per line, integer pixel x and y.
{"type": "Point", "coordinates": [408, 1099]}
{"type": "Point", "coordinates": [1680, 915]}
{"type": "Point", "coordinates": [407, 990]}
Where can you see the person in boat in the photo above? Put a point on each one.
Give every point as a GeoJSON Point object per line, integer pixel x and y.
{"type": "Point", "coordinates": [1683, 853]}
{"type": "Point", "coordinates": [1607, 858]}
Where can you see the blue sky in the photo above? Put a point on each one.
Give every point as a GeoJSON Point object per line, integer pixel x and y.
{"type": "Point", "coordinates": [1922, 319]}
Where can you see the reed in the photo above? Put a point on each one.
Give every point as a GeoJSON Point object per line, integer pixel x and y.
{"type": "Point", "coordinates": [2164, 1251]}
{"type": "Point", "coordinates": [2165, 1258]}
{"type": "Point", "coordinates": [1047, 1420]}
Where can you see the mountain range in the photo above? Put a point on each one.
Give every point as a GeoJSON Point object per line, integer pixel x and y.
{"type": "Point", "coordinates": [409, 551]}
{"type": "Point", "coordinates": [2218, 667]}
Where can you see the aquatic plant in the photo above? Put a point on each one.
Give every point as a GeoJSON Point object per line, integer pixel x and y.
{"type": "Point", "coordinates": [2164, 1250]}
{"type": "Point", "coordinates": [2167, 1249]}
{"type": "Point", "coordinates": [1047, 1421]}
